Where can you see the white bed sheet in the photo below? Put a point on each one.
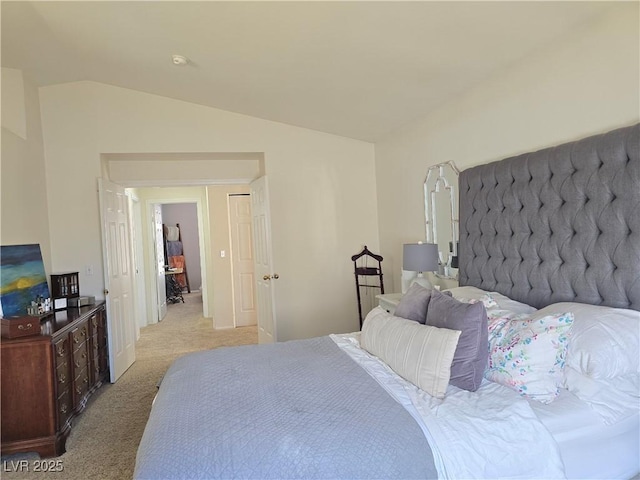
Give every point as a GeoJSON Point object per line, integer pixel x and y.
{"type": "Point", "coordinates": [590, 448]}
{"type": "Point", "coordinates": [491, 433]}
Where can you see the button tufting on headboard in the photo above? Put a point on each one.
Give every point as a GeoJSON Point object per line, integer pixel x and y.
{"type": "Point", "coordinates": [558, 224]}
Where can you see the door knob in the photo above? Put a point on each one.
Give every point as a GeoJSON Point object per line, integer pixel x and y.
{"type": "Point", "coordinates": [106, 292]}
{"type": "Point", "coordinates": [267, 277]}
{"type": "Point", "coordinates": [275, 276]}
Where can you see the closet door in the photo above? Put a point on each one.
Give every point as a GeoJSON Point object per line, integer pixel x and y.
{"type": "Point", "coordinates": [244, 305]}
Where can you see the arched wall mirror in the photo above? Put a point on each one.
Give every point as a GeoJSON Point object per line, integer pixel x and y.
{"type": "Point", "coordinates": [441, 214]}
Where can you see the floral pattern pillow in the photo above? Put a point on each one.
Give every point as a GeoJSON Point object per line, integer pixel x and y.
{"type": "Point", "coordinates": [527, 353]}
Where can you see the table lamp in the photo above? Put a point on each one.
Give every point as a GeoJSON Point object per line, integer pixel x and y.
{"type": "Point", "coordinates": [420, 257]}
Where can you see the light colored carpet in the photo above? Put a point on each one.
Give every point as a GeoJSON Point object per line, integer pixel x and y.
{"type": "Point", "coordinates": [104, 438]}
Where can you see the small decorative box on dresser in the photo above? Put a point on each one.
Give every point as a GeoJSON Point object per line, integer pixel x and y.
{"type": "Point", "coordinates": [48, 378]}
{"type": "Point", "coordinates": [23, 326]}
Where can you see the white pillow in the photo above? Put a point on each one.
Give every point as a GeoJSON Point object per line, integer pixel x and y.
{"type": "Point", "coordinates": [605, 341]}
{"type": "Point", "coordinates": [527, 353]}
{"type": "Point", "coordinates": [490, 299]}
{"type": "Point", "coordinates": [418, 353]}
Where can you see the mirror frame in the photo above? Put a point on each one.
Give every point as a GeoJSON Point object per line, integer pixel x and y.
{"type": "Point", "coordinates": [436, 181]}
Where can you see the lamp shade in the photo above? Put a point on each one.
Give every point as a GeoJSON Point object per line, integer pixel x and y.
{"type": "Point", "coordinates": [420, 257]}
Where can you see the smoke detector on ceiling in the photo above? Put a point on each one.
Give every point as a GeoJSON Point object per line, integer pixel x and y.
{"type": "Point", "coordinates": [179, 60]}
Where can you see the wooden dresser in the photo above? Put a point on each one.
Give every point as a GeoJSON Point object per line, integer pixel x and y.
{"type": "Point", "coordinates": [48, 378]}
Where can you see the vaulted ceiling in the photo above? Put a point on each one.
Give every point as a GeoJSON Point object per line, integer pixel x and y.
{"type": "Point", "coordinates": [360, 69]}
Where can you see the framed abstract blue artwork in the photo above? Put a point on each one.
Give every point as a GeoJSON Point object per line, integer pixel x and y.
{"type": "Point", "coordinates": [22, 278]}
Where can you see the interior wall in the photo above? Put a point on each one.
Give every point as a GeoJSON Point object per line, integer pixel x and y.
{"type": "Point", "coordinates": [14, 112]}
{"type": "Point", "coordinates": [187, 216]}
{"type": "Point", "coordinates": [322, 187]}
{"type": "Point", "coordinates": [184, 168]}
{"type": "Point", "coordinates": [23, 199]}
{"type": "Point", "coordinates": [585, 83]}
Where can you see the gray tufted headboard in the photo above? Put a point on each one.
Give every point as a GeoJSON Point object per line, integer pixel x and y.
{"type": "Point", "coordinates": [560, 224]}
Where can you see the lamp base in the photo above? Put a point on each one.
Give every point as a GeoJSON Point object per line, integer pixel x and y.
{"type": "Point", "coordinates": [422, 281]}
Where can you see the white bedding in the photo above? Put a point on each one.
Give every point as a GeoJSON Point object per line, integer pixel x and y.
{"type": "Point", "coordinates": [490, 433]}
{"type": "Point", "coordinates": [595, 421]}
{"type": "Point", "coordinates": [590, 448]}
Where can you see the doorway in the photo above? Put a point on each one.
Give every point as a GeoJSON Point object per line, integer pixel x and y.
{"type": "Point", "coordinates": [214, 253]}
{"type": "Point", "coordinates": [174, 249]}
{"type": "Point", "coordinates": [181, 251]}
{"type": "Point", "coordinates": [162, 178]}
{"type": "Point", "coordinates": [184, 218]}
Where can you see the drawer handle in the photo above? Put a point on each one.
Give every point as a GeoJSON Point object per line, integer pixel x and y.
{"type": "Point", "coordinates": [86, 380]}
{"type": "Point", "coordinates": [28, 326]}
{"type": "Point", "coordinates": [78, 390]}
{"type": "Point", "coordinates": [76, 340]}
{"type": "Point", "coordinates": [61, 352]}
{"type": "Point", "coordinates": [63, 408]}
{"type": "Point", "coordinates": [77, 364]}
{"type": "Point", "coordinates": [63, 378]}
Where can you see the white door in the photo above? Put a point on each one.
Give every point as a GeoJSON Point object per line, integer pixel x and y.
{"type": "Point", "coordinates": [139, 289]}
{"type": "Point", "coordinates": [265, 276]}
{"type": "Point", "coordinates": [244, 305]}
{"type": "Point", "coordinates": [161, 286]}
{"type": "Point", "coordinates": [118, 277]}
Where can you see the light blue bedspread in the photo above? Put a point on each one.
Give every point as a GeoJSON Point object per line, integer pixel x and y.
{"type": "Point", "coordinates": [300, 409]}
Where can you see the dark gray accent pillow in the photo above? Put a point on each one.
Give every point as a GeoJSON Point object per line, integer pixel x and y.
{"type": "Point", "coordinates": [472, 352]}
{"type": "Point", "coordinates": [413, 304]}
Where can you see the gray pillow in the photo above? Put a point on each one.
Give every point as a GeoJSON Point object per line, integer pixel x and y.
{"type": "Point", "coordinates": [472, 352]}
{"type": "Point", "coordinates": [413, 304]}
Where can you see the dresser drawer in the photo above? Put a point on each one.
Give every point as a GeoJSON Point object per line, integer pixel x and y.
{"type": "Point", "coordinates": [80, 357]}
{"type": "Point", "coordinates": [389, 301]}
{"type": "Point", "coordinates": [63, 378]}
{"type": "Point", "coordinates": [61, 351]}
{"type": "Point", "coordinates": [95, 322]}
{"type": "Point", "coordinates": [96, 373]}
{"type": "Point", "coordinates": [95, 346]}
{"type": "Point", "coordinates": [65, 408]}
{"type": "Point", "coordinates": [104, 363]}
{"type": "Point", "coordinates": [80, 335]}
{"type": "Point", "coordinates": [81, 386]}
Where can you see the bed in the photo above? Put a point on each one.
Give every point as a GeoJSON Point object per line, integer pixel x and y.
{"type": "Point", "coordinates": [529, 369]}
